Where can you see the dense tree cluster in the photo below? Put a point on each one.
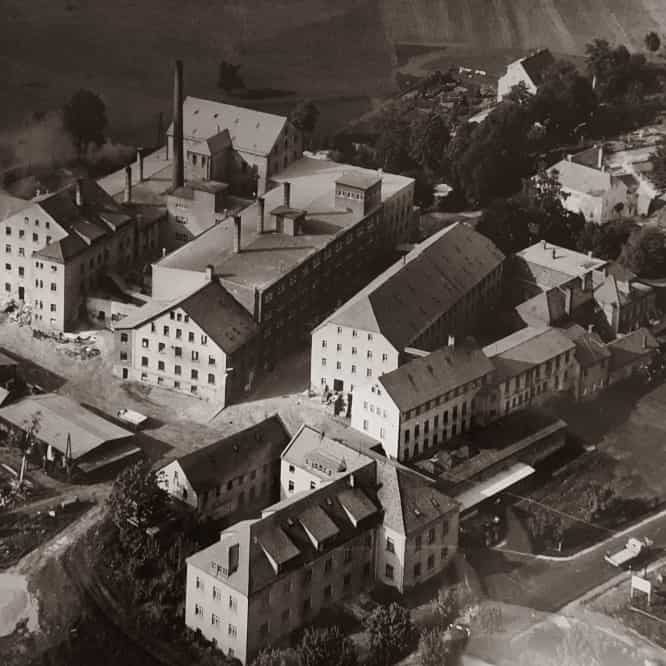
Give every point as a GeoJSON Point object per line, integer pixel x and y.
{"type": "Point", "coordinates": [644, 253]}
{"type": "Point", "coordinates": [84, 117]}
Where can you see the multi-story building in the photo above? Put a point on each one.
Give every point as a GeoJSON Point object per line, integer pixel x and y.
{"type": "Point", "coordinates": [57, 248]}
{"type": "Point", "coordinates": [297, 252]}
{"type": "Point", "coordinates": [233, 477]}
{"type": "Point", "coordinates": [630, 354]}
{"type": "Point", "coordinates": [531, 365]}
{"type": "Point", "coordinates": [202, 343]}
{"type": "Point", "coordinates": [422, 404]}
{"type": "Point", "coordinates": [236, 145]}
{"type": "Point", "coordinates": [529, 71]}
{"type": "Point", "coordinates": [562, 284]}
{"type": "Point", "coordinates": [440, 289]}
{"type": "Point", "coordinates": [592, 361]}
{"type": "Point", "coordinates": [266, 577]}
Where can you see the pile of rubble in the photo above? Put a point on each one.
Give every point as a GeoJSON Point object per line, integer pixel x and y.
{"type": "Point", "coordinates": [81, 346]}
{"type": "Point", "coordinates": [21, 314]}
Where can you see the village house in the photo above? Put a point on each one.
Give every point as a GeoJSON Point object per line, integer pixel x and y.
{"type": "Point", "coordinates": [595, 192]}
{"type": "Point", "coordinates": [203, 343]}
{"type": "Point", "coordinates": [529, 71]}
{"type": "Point", "coordinates": [232, 478]}
{"type": "Point", "coordinates": [442, 288]}
{"type": "Point", "coordinates": [592, 361]}
{"type": "Point", "coordinates": [630, 354]}
{"type": "Point", "coordinates": [59, 246]}
{"type": "Point", "coordinates": [531, 366]}
{"type": "Point", "coordinates": [423, 403]}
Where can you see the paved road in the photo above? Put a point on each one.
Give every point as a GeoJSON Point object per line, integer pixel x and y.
{"type": "Point", "coordinates": [546, 585]}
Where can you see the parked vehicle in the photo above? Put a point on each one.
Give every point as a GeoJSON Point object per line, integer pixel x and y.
{"type": "Point", "coordinates": [630, 552]}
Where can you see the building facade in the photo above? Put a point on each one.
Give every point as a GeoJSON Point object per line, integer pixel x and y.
{"type": "Point", "coordinates": [203, 344]}
{"type": "Point", "coordinates": [442, 288]}
{"type": "Point", "coordinates": [528, 71]}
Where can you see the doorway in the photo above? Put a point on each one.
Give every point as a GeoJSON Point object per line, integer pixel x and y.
{"type": "Point", "coordinates": [21, 293]}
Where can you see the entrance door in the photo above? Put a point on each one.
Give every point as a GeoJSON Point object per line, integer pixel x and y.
{"type": "Point", "coordinates": [338, 385]}
{"type": "Point", "coordinates": [125, 373]}
{"type": "Point", "coordinates": [21, 293]}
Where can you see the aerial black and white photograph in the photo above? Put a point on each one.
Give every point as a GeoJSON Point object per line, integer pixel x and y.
{"type": "Point", "coordinates": [333, 333]}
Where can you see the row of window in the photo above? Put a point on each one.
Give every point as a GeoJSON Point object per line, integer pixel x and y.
{"type": "Point", "coordinates": [354, 350]}
{"type": "Point", "coordinates": [194, 389]}
{"type": "Point", "coordinates": [443, 399]}
{"type": "Point", "coordinates": [435, 421]}
{"type": "Point", "coordinates": [354, 368]}
{"type": "Point", "coordinates": [177, 369]}
{"type": "Point", "coordinates": [40, 266]}
{"type": "Point", "coordinates": [21, 234]}
{"type": "Point", "coordinates": [389, 572]}
{"type": "Point", "coordinates": [354, 335]}
{"type": "Point", "coordinates": [39, 284]}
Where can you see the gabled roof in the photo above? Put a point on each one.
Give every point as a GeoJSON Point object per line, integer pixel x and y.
{"type": "Point", "coordinates": [98, 217]}
{"type": "Point", "coordinates": [59, 417]}
{"type": "Point", "coordinates": [410, 500]}
{"type": "Point", "coordinates": [525, 349]}
{"type": "Point", "coordinates": [251, 131]}
{"type": "Point", "coordinates": [631, 348]}
{"type": "Point", "coordinates": [582, 178]}
{"type": "Point", "coordinates": [235, 455]}
{"type": "Point", "coordinates": [536, 65]}
{"type": "Point", "coordinates": [10, 205]}
{"type": "Point", "coordinates": [226, 322]}
{"type": "Point", "coordinates": [590, 348]}
{"type": "Point", "coordinates": [427, 377]}
{"type": "Point", "coordinates": [433, 277]}
{"type": "Point", "coordinates": [546, 307]}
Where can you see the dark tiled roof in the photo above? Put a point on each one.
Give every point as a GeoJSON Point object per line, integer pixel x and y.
{"type": "Point", "coordinates": [547, 307]}
{"type": "Point", "coordinates": [431, 279]}
{"type": "Point", "coordinates": [590, 348]}
{"type": "Point", "coordinates": [631, 348]}
{"type": "Point", "coordinates": [235, 455]}
{"type": "Point", "coordinates": [430, 376]}
{"type": "Point", "coordinates": [537, 64]}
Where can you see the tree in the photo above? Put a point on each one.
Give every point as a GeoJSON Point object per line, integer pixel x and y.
{"type": "Point", "coordinates": [652, 42]}
{"type": "Point", "coordinates": [644, 253]}
{"type": "Point", "coordinates": [135, 498]}
{"type": "Point", "coordinates": [605, 241]}
{"type": "Point", "coordinates": [304, 117]}
{"type": "Point", "coordinates": [228, 77]}
{"type": "Point", "coordinates": [437, 649]}
{"type": "Point", "coordinates": [598, 498]}
{"type": "Point", "coordinates": [545, 526]}
{"type": "Point", "coordinates": [447, 607]}
{"type": "Point", "coordinates": [84, 117]}
{"type": "Point", "coordinates": [658, 160]}
{"type": "Point", "coordinates": [392, 634]}
{"type": "Point", "coordinates": [393, 138]}
{"type": "Point", "coordinates": [428, 138]}
{"type": "Point", "coordinates": [321, 647]}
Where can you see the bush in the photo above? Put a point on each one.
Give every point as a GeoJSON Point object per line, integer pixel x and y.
{"type": "Point", "coordinates": [392, 634]}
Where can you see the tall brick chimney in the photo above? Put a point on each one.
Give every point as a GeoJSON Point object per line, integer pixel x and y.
{"type": "Point", "coordinates": [178, 163]}
{"type": "Point", "coordinates": [237, 234]}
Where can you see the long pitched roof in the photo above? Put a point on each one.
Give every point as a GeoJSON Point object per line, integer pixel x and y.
{"type": "Point", "coordinates": [632, 347]}
{"type": "Point", "coordinates": [226, 322]}
{"type": "Point", "coordinates": [536, 65]}
{"type": "Point", "coordinates": [59, 417]}
{"type": "Point", "coordinates": [427, 377]}
{"type": "Point", "coordinates": [413, 292]}
{"type": "Point", "coordinates": [590, 348]}
{"type": "Point", "coordinates": [582, 178]}
{"type": "Point", "coordinates": [251, 131]}
{"type": "Point", "coordinates": [525, 349]}
{"type": "Point", "coordinates": [235, 455]}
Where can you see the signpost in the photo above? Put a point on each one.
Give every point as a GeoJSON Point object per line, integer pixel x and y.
{"type": "Point", "coordinates": [642, 585]}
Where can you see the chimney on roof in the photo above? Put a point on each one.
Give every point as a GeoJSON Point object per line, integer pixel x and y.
{"type": "Point", "coordinates": [261, 206]}
{"type": "Point", "coordinates": [451, 342]}
{"type": "Point", "coordinates": [209, 273]}
{"type": "Point", "coordinates": [380, 172]}
{"type": "Point", "coordinates": [164, 252]}
{"type": "Point", "coordinates": [645, 342]}
{"type": "Point", "coordinates": [544, 244]}
{"type": "Point", "coordinates": [178, 160]}
{"type": "Point", "coordinates": [589, 254]}
{"type": "Point", "coordinates": [237, 234]}
{"type": "Point", "coordinates": [600, 156]}
{"type": "Point", "coordinates": [286, 194]}
{"type": "Point", "coordinates": [139, 161]}
{"type": "Point", "coordinates": [590, 328]}
{"type": "Point", "coordinates": [127, 197]}
{"type": "Point", "coordinates": [569, 157]}
{"type": "Point", "coordinates": [78, 194]}
{"type": "Point", "coordinates": [554, 253]}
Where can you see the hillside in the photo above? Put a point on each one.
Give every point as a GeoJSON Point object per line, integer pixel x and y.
{"type": "Point", "coordinates": [563, 25]}
{"type": "Point", "coordinates": [342, 53]}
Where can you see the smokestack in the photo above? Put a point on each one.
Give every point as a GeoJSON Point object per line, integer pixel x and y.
{"type": "Point", "coordinates": [261, 205]}
{"type": "Point", "coordinates": [209, 273]}
{"type": "Point", "coordinates": [178, 164]}
{"type": "Point", "coordinates": [78, 194]}
{"type": "Point", "coordinates": [128, 184]}
{"type": "Point", "coordinates": [600, 157]}
{"type": "Point", "coordinates": [237, 234]}
{"type": "Point", "coordinates": [286, 190]}
{"type": "Point", "coordinates": [139, 159]}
